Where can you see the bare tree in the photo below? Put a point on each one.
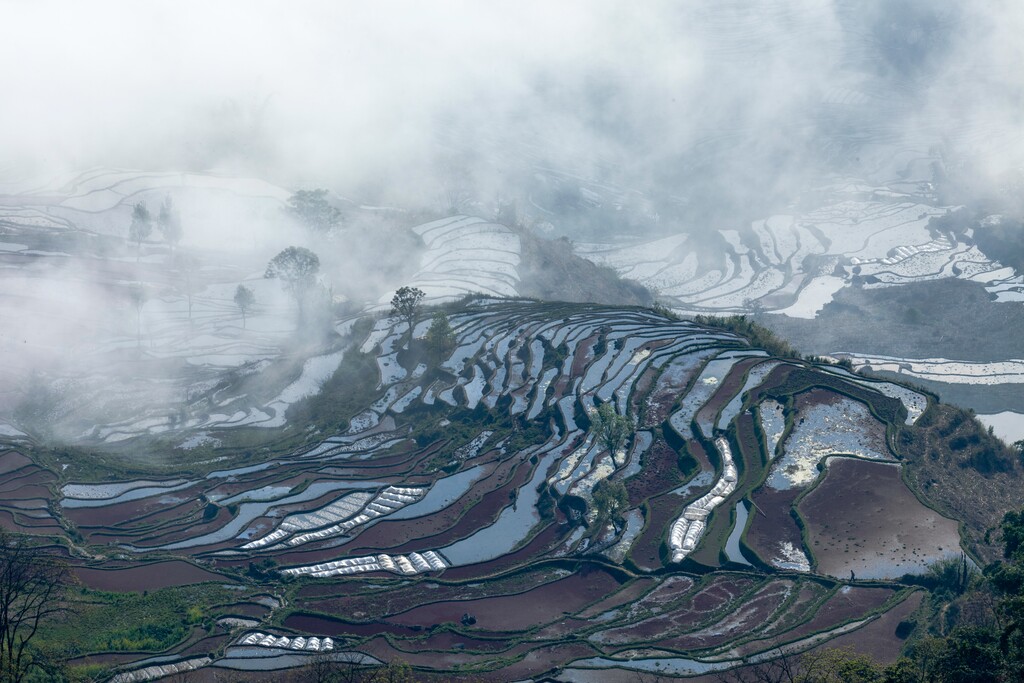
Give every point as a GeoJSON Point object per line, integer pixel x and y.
{"type": "Point", "coordinates": [818, 665]}
{"type": "Point", "coordinates": [782, 669]}
{"type": "Point", "coordinates": [396, 671]}
{"type": "Point", "coordinates": [32, 584]}
{"type": "Point", "coordinates": [348, 667]}
{"type": "Point", "coordinates": [321, 669]}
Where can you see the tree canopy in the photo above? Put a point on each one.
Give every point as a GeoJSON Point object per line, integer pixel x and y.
{"type": "Point", "coordinates": [142, 224]}
{"type": "Point", "coordinates": [312, 210]}
{"type": "Point", "coordinates": [611, 428]}
{"type": "Point", "coordinates": [296, 268]}
{"type": "Point", "coordinates": [610, 500]}
{"type": "Point", "coordinates": [169, 222]}
{"type": "Point", "coordinates": [405, 305]}
{"type": "Point", "coordinates": [440, 337]}
{"type": "Point", "coordinates": [245, 299]}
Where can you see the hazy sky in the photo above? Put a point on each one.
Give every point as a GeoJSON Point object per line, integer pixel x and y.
{"type": "Point", "coordinates": [348, 93]}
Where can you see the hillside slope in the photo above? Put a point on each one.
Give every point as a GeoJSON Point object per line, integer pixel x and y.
{"type": "Point", "coordinates": [754, 500]}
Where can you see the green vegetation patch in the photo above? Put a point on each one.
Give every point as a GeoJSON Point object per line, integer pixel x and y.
{"type": "Point", "coordinates": [960, 468]}
{"type": "Point", "coordinates": [134, 622]}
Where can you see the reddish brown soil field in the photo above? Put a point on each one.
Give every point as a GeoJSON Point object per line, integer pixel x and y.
{"type": "Point", "coordinates": [729, 387]}
{"type": "Point", "coordinates": [145, 577]}
{"type": "Point", "coordinates": [660, 471]}
{"type": "Point", "coordinates": [753, 614]}
{"type": "Point", "coordinates": [699, 609]}
{"type": "Point", "coordinates": [247, 609]}
{"type": "Point", "coordinates": [847, 604]}
{"type": "Point", "coordinates": [202, 646]}
{"type": "Point", "coordinates": [340, 586]}
{"type": "Point", "coordinates": [392, 599]}
{"type": "Point", "coordinates": [11, 461]}
{"type": "Point", "coordinates": [662, 511]}
{"type": "Point", "coordinates": [26, 482]}
{"type": "Point", "coordinates": [671, 590]}
{"type": "Point", "coordinates": [862, 518]}
{"type": "Point", "coordinates": [106, 659]}
{"type": "Point", "coordinates": [807, 598]}
{"type": "Point", "coordinates": [311, 623]}
{"type": "Point", "coordinates": [776, 377]}
{"type": "Point", "coordinates": [517, 612]}
{"type": "Point", "coordinates": [772, 524]}
{"type": "Point", "coordinates": [722, 589]}
{"type": "Point", "coordinates": [18, 523]}
{"type": "Point", "coordinates": [380, 648]}
{"type": "Point", "coordinates": [628, 594]}
{"type": "Point", "coordinates": [583, 356]}
{"type": "Point", "coordinates": [539, 660]}
{"type": "Point", "coordinates": [878, 639]}
{"type": "Point", "coordinates": [125, 514]}
{"type": "Point", "coordinates": [449, 640]}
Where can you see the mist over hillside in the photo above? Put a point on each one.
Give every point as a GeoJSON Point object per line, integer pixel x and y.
{"type": "Point", "coordinates": [704, 110]}
{"type": "Point", "coordinates": [721, 128]}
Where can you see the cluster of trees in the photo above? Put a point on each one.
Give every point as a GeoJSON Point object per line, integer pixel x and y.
{"type": "Point", "coordinates": [298, 268]}
{"type": "Point", "coordinates": [611, 500]}
{"type": "Point", "coordinates": [324, 669]}
{"type": "Point", "coordinates": [758, 335]}
{"type": "Point", "coordinates": [440, 339]}
{"type": "Point", "coordinates": [167, 221]}
{"type": "Point", "coordinates": [311, 209]}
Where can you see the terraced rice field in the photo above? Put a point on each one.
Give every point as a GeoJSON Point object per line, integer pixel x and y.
{"type": "Point", "coordinates": [451, 523]}
{"type": "Point", "coordinates": [794, 264]}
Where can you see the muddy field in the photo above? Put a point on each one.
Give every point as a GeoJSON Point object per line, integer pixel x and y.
{"type": "Point", "coordinates": [862, 520]}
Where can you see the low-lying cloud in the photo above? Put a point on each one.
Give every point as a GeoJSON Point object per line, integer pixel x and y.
{"type": "Point", "coordinates": [722, 100]}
